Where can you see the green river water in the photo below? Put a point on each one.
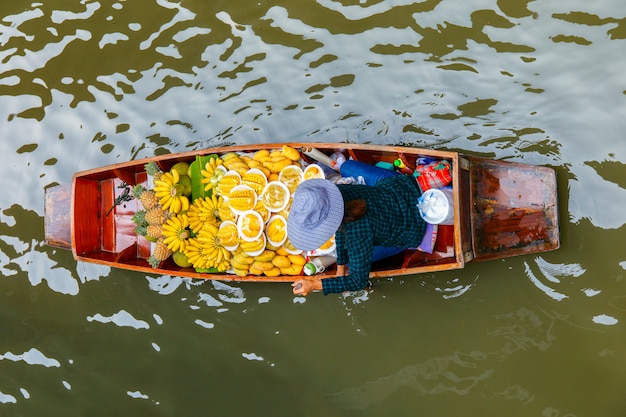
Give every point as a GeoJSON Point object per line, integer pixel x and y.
{"type": "Point", "coordinates": [90, 83]}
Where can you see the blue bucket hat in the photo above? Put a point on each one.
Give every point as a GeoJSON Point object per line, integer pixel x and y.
{"type": "Point", "coordinates": [315, 215]}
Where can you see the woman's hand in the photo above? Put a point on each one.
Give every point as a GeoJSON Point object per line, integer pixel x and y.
{"type": "Point", "coordinates": [306, 286]}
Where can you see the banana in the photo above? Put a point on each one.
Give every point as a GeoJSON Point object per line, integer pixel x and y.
{"type": "Point", "coordinates": [175, 205]}
{"type": "Point", "coordinates": [255, 271]}
{"type": "Point", "coordinates": [273, 272]}
{"type": "Point", "coordinates": [176, 233]}
{"type": "Point", "coordinates": [238, 265]}
{"type": "Point", "coordinates": [242, 258]}
{"type": "Point", "coordinates": [265, 256]}
{"type": "Point", "coordinates": [281, 251]}
{"type": "Point", "coordinates": [210, 174]}
{"type": "Point", "coordinates": [169, 192]}
{"type": "Point", "coordinates": [297, 259]}
{"type": "Point", "coordinates": [175, 175]}
{"type": "Point", "coordinates": [261, 154]}
{"type": "Point", "coordinates": [229, 155]}
{"type": "Point", "coordinates": [291, 270]}
{"type": "Point", "coordinates": [219, 257]}
{"type": "Point", "coordinates": [239, 272]}
{"type": "Point", "coordinates": [262, 266]}
{"type": "Point", "coordinates": [281, 261]}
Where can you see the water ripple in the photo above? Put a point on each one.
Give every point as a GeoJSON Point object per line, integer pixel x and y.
{"type": "Point", "coordinates": [31, 357]}
{"type": "Point", "coordinates": [553, 273]}
{"type": "Point", "coordinates": [91, 83]}
{"type": "Point", "coordinates": [456, 373]}
{"type": "Point", "coordinates": [122, 319]}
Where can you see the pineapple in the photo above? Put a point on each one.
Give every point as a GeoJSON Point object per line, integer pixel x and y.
{"type": "Point", "coordinates": [153, 170]}
{"type": "Point", "coordinates": [147, 197]}
{"type": "Point", "coordinates": [154, 231]}
{"type": "Point", "coordinates": [156, 215]}
{"type": "Point", "coordinates": [141, 229]}
{"type": "Point", "coordinates": [139, 218]}
{"type": "Point", "coordinates": [160, 253]}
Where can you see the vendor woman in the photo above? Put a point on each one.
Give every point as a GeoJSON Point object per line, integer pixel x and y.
{"type": "Point", "coordinates": [361, 217]}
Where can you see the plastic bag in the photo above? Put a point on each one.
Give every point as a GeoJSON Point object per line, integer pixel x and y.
{"type": "Point", "coordinates": [435, 174]}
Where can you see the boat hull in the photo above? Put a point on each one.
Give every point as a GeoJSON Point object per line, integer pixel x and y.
{"type": "Point", "coordinates": [501, 209]}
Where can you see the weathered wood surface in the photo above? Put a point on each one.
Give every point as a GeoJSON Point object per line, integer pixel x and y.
{"type": "Point", "coordinates": [57, 219]}
{"type": "Point", "coordinates": [514, 209]}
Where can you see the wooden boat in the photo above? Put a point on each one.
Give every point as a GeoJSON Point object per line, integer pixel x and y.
{"type": "Point", "coordinates": [501, 209]}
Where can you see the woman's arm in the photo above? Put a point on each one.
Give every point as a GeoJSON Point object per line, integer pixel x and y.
{"type": "Point", "coordinates": [306, 286]}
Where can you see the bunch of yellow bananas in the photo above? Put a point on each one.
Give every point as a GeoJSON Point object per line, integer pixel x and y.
{"type": "Point", "coordinates": [204, 210]}
{"type": "Point", "coordinates": [170, 192]}
{"type": "Point", "coordinates": [235, 162]}
{"type": "Point", "coordinates": [270, 262]}
{"type": "Point", "coordinates": [205, 251]}
{"type": "Point", "coordinates": [176, 232]}
{"type": "Point", "coordinates": [263, 265]}
{"type": "Point", "coordinates": [203, 218]}
{"type": "Point", "coordinates": [211, 174]}
{"type": "Point", "coordinates": [240, 262]}
{"type": "Point", "coordinates": [276, 160]}
{"type": "Point", "coordinates": [289, 264]}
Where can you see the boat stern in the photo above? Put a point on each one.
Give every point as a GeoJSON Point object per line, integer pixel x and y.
{"type": "Point", "coordinates": [57, 217]}
{"type": "Point", "coordinates": [513, 209]}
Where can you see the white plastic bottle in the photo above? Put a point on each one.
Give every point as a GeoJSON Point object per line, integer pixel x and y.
{"type": "Point", "coordinates": [336, 160]}
{"type": "Point", "coordinates": [318, 264]}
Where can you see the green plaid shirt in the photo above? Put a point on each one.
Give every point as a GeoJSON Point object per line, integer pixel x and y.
{"type": "Point", "coordinates": [391, 219]}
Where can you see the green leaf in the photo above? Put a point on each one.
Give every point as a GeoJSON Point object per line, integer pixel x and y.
{"type": "Point", "coordinates": [197, 187]}
{"type": "Point", "coordinates": [207, 270]}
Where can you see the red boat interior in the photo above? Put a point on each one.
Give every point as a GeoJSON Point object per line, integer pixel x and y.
{"type": "Point", "coordinates": [105, 232]}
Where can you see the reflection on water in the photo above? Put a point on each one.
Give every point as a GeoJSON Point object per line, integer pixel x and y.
{"type": "Point", "coordinates": [455, 374]}
{"type": "Point", "coordinates": [456, 287]}
{"type": "Point", "coordinates": [526, 330]}
{"type": "Point", "coordinates": [121, 318]}
{"type": "Point", "coordinates": [551, 273]}
{"type": "Point", "coordinates": [32, 357]}
{"type": "Point", "coordinates": [479, 373]}
{"type": "Point", "coordinates": [84, 84]}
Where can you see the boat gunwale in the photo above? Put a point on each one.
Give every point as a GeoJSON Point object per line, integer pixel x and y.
{"type": "Point", "coordinates": [455, 262]}
{"type": "Point", "coordinates": [254, 147]}
{"type": "Point", "coordinates": [459, 241]}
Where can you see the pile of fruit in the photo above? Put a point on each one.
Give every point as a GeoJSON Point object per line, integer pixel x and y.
{"type": "Point", "coordinates": [223, 213]}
